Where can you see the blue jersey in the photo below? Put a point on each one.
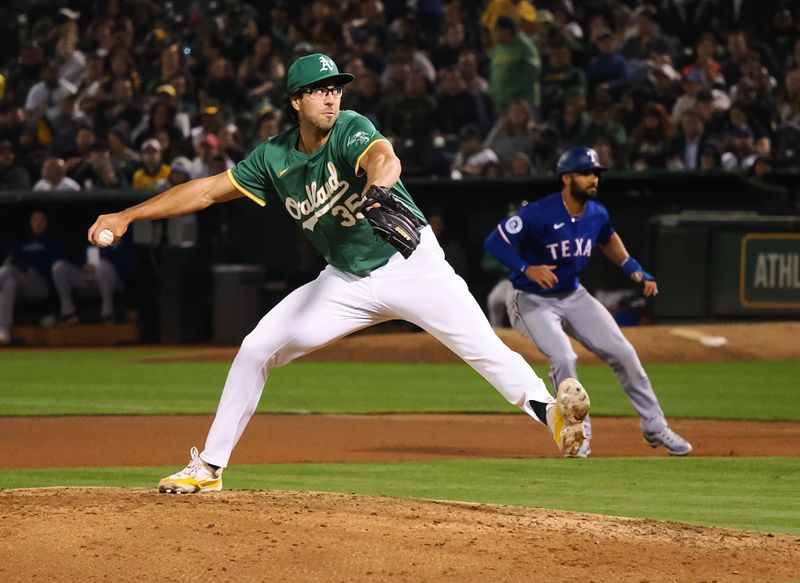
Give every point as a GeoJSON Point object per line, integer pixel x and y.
{"type": "Point", "coordinates": [544, 233]}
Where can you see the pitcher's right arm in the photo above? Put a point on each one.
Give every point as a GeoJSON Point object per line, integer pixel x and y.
{"type": "Point", "coordinates": [179, 200]}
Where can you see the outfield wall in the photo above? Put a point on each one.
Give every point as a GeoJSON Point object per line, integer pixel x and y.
{"type": "Point", "coordinates": [175, 287]}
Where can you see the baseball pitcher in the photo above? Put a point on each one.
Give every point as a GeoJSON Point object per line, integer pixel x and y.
{"type": "Point", "coordinates": [339, 179]}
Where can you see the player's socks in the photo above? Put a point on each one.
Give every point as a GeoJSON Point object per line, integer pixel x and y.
{"type": "Point", "coordinates": [540, 410]}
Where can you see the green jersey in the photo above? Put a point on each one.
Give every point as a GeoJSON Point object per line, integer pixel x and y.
{"type": "Point", "coordinates": [323, 191]}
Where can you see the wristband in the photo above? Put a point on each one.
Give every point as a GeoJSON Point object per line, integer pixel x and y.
{"type": "Point", "coordinates": [631, 266]}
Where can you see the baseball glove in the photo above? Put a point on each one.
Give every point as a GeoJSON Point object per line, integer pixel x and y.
{"type": "Point", "coordinates": [391, 220]}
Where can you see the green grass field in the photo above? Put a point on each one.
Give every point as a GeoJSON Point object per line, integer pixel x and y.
{"type": "Point", "coordinates": [753, 494]}
{"type": "Point", "coordinates": [115, 382]}
{"type": "Point", "coordinates": [749, 493]}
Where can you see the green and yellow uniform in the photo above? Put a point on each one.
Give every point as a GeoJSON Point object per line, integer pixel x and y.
{"type": "Point", "coordinates": [323, 191]}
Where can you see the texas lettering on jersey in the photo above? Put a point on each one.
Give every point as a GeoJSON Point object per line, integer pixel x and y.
{"type": "Point", "coordinates": [323, 198]}
{"type": "Point", "coordinates": [576, 248]}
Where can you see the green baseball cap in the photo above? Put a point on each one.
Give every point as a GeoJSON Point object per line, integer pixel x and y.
{"type": "Point", "coordinates": [313, 68]}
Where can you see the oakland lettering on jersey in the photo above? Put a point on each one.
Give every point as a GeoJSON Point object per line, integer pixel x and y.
{"type": "Point", "coordinates": [579, 247]}
{"type": "Point", "coordinates": [777, 271]}
{"type": "Point", "coordinates": [319, 199]}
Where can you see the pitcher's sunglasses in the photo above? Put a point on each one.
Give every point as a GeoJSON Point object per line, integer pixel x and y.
{"type": "Point", "coordinates": [322, 92]}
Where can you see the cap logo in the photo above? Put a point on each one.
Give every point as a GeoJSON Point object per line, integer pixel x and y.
{"type": "Point", "coordinates": [594, 157]}
{"type": "Point", "coordinates": [326, 64]}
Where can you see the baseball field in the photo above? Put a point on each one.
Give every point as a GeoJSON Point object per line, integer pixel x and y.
{"type": "Point", "coordinates": [384, 458]}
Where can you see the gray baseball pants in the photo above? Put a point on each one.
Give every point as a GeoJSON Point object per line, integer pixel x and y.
{"type": "Point", "coordinates": [14, 282]}
{"type": "Point", "coordinates": [68, 277]}
{"type": "Point", "coordinates": [547, 320]}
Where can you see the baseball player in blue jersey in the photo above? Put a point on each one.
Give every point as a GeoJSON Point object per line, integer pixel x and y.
{"type": "Point", "coordinates": [546, 245]}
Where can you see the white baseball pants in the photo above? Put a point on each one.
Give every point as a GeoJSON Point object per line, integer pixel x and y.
{"type": "Point", "coordinates": [423, 290]}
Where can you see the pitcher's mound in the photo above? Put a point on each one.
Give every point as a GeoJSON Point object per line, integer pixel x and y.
{"type": "Point", "coordinates": [93, 534]}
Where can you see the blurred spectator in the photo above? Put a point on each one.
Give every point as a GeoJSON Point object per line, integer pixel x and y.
{"type": "Point", "coordinates": [560, 76]}
{"type": "Point", "coordinates": [71, 61]}
{"type": "Point", "coordinates": [12, 176]}
{"type": "Point", "coordinates": [366, 48]}
{"type": "Point", "coordinates": [123, 105]}
{"type": "Point", "coordinates": [45, 94]}
{"type": "Point", "coordinates": [96, 170]}
{"type": "Point", "coordinates": [153, 167]}
{"type": "Point", "coordinates": [608, 70]}
{"type": "Point", "coordinates": [648, 147]}
{"type": "Point", "coordinates": [663, 88]}
{"type": "Point", "coordinates": [407, 52]}
{"type": "Point", "coordinates": [513, 132]}
{"type": "Point", "coordinates": [756, 104]}
{"type": "Point", "coordinates": [261, 72]}
{"type": "Point", "coordinates": [607, 152]}
{"type": "Point", "coordinates": [473, 160]}
{"type": "Point", "coordinates": [230, 143]}
{"type": "Point", "coordinates": [645, 36]}
{"type": "Point", "coordinates": [753, 15]}
{"type": "Point", "coordinates": [206, 151]}
{"type": "Point", "coordinates": [161, 118]}
{"type": "Point", "coordinates": [737, 52]}
{"type": "Point", "coordinates": [468, 69]}
{"type": "Point", "coordinates": [103, 272]}
{"type": "Point", "coordinates": [180, 171]}
{"type": "Point", "coordinates": [170, 64]}
{"type": "Point", "coordinates": [741, 150]}
{"type": "Point", "coordinates": [26, 271]}
{"type": "Point", "coordinates": [168, 95]}
{"type": "Point", "coordinates": [689, 143]}
{"type": "Point", "coordinates": [408, 119]}
{"type": "Point", "coordinates": [686, 20]}
{"type": "Point", "coordinates": [602, 126]}
{"type": "Point", "coordinates": [784, 35]}
{"type": "Point", "coordinates": [451, 43]}
{"type": "Point", "coordinates": [217, 165]}
{"type": "Point", "coordinates": [546, 151]}
{"type": "Point", "coordinates": [516, 165]}
{"type": "Point", "coordinates": [95, 80]}
{"type": "Point", "coordinates": [457, 106]}
{"type": "Point", "coordinates": [224, 87]}
{"type": "Point", "coordinates": [363, 95]}
{"type": "Point", "coordinates": [210, 123]}
{"type": "Point", "coordinates": [268, 125]}
{"type": "Point", "coordinates": [122, 66]}
{"type": "Point", "coordinates": [575, 121]}
{"type": "Point", "coordinates": [521, 12]}
{"type": "Point", "coordinates": [65, 121]}
{"type": "Point", "coordinates": [709, 157]}
{"type": "Point", "coordinates": [54, 177]}
{"type": "Point", "coordinates": [30, 154]}
{"type": "Point", "coordinates": [515, 68]}
{"type": "Point", "coordinates": [762, 166]}
{"type": "Point", "coordinates": [25, 73]}
{"type": "Point", "coordinates": [706, 60]}
{"type": "Point", "coordinates": [124, 159]}
{"type": "Point", "coordinates": [789, 100]}
{"type": "Point", "coordinates": [694, 82]}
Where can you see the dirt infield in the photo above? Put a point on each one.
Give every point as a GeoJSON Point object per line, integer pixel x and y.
{"type": "Point", "coordinates": [95, 534]}
{"type": "Point", "coordinates": [74, 534]}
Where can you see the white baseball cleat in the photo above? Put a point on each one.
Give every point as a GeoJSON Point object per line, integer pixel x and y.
{"type": "Point", "coordinates": [198, 476]}
{"type": "Point", "coordinates": [672, 442]}
{"type": "Point", "coordinates": [565, 416]}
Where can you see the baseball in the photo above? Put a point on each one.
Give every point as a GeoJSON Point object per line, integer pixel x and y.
{"type": "Point", "coordinates": [105, 238]}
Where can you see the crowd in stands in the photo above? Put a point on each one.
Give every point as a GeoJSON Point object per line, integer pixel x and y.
{"type": "Point", "coordinates": [143, 94]}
